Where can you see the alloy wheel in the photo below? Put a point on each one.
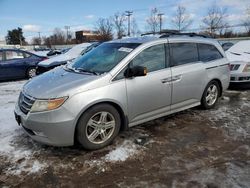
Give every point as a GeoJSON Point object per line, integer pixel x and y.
{"type": "Point", "coordinates": [211, 95]}
{"type": "Point", "coordinates": [100, 127]}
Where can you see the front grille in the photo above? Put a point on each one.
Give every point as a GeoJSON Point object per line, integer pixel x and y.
{"type": "Point", "coordinates": [25, 103]}
{"type": "Point", "coordinates": [234, 67]}
{"type": "Point", "coordinates": [244, 78]}
{"type": "Point", "coordinates": [232, 78]}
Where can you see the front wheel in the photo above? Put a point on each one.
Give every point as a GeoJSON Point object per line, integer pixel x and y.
{"type": "Point", "coordinates": [210, 95]}
{"type": "Point", "coordinates": [98, 126]}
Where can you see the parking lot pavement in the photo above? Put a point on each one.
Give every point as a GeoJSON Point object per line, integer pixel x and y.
{"type": "Point", "coordinates": [194, 148]}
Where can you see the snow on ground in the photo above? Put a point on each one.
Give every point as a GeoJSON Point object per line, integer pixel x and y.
{"type": "Point", "coordinates": [123, 152]}
{"type": "Point", "coordinates": [8, 127]}
{"type": "Point", "coordinates": [9, 131]}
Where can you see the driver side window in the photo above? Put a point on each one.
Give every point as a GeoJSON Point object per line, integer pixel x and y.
{"type": "Point", "coordinates": [153, 58]}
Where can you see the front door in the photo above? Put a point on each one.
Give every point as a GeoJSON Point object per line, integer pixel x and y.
{"type": "Point", "coordinates": [150, 95]}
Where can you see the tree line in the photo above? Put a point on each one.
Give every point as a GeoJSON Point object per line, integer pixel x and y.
{"type": "Point", "coordinates": [214, 23]}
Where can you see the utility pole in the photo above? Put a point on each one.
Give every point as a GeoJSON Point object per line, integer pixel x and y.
{"type": "Point", "coordinates": [160, 18]}
{"type": "Point", "coordinates": [67, 30]}
{"type": "Point", "coordinates": [40, 41]}
{"type": "Point", "coordinates": [128, 14]}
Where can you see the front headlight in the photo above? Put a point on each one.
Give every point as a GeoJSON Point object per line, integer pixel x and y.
{"type": "Point", "coordinates": [246, 68]}
{"type": "Point", "coordinates": [46, 105]}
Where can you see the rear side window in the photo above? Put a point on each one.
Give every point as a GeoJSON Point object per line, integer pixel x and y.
{"type": "Point", "coordinates": [183, 53]}
{"type": "Point", "coordinates": [13, 55]}
{"type": "Point", "coordinates": [153, 58]}
{"type": "Point", "coordinates": [208, 52]}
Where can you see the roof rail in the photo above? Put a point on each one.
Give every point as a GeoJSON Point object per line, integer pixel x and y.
{"type": "Point", "coordinates": [160, 32]}
{"type": "Point", "coordinates": [169, 33]}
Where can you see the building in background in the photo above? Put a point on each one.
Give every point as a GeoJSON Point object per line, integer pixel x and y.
{"type": "Point", "coordinates": [86, 36]}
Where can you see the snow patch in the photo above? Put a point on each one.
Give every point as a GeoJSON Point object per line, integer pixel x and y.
{"type": "Point", "coordinates": [27, 167]}
{"type": "Point", "coordinates": [122, 152]}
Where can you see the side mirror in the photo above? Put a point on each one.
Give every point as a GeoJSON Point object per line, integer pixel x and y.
{"type": "Point", "coordinates": [135, 71]}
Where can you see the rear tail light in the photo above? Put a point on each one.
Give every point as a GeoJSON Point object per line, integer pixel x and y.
{"type": "Point", "coordinates": [44, 58]}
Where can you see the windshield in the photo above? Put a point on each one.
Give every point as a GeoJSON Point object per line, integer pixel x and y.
{"type": "Point", "coordinates": [103, 58]}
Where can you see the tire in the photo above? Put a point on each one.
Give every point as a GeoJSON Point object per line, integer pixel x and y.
{"type": "Point", "coordinates": [31, 72]}
{"type": "Point", "coordinates": [98, 126]}
{"type": "Point", "coordinates": [213, 90]}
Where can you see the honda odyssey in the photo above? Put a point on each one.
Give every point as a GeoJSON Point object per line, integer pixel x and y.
{"type": "Point", "coordinates": [120, 84]}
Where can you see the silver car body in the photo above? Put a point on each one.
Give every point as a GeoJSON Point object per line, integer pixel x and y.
{"type": "Point", "coordinates": [139, 99]}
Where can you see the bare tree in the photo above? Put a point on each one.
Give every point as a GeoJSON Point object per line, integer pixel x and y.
{"type": "Point", "coordinates": [134, 27]}
{"type": "Point", "coordinates": [47, 41]}
{"type": "Point", "coordinates": [153, 21]}
{"type": "Point", "coordinates": [58, 36]}
{"type": "Point", "coordinates": [181, 19]}
{"type": "Point", "coordinates": [118, 20]}
{"type": "Point", "coordinates": [104, 28]}
{"type": "Point", "coordinates": [246, 21]}
{"type": "Point", "coordinates": [215, 20]}
{"type": "Point", "coordinates": [36, 41]}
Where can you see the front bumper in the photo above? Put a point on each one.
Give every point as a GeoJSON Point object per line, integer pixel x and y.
{"type": "Point", "coordinates": [239, 77]}
{"type": "Point", "coordinates": [239, 80]}
{"type": "Point", "coordinates": [56, 127]}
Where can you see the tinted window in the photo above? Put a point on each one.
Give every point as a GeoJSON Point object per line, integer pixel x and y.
{"type": "Point", "coordinates": [13, 55]}
{"type": "Point", "coordinates": [183, 53]}
{"type": "Point", "coordinates": [208, 52]}
{"type": "Point", "coordinates": [153, 58]}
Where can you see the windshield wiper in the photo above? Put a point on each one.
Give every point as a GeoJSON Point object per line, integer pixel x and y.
{"type": "Point", "coordinates": [87, 71]}
{"type": "Point", "coordinates": [70, 68]}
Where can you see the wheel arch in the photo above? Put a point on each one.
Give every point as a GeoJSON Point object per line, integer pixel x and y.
{"type": "Point", "coordinates": [220, 85]}
{"type": "Point", "coordinates": [118, 107]}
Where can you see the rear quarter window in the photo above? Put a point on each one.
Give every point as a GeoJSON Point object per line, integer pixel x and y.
{"type": "Point", "coordinates": [208, 52]}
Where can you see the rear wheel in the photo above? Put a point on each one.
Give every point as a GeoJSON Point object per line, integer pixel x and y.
{"type": "Point", "coordinates": [210, 95]}
{"type": "Point", "coordinates": [31, 72]}
{"type": "Point", "coordinates": [98, 126]}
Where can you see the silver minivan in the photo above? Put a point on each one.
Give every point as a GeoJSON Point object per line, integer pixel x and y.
{"type": "Point", "coordinates": [120, 84]}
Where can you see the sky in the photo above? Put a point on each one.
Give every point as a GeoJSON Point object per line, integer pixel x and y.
{"type": "Point", "coordinates": [43, 16]}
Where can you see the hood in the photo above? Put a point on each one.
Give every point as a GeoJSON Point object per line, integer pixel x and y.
{"type": "Point", "coordinates": [239, 57]}
{"type": "Point", "coordinates": [57, 83]}
{"type": "Point", "coordinates": [59, 58]}
{"type": "Point", "coordinates": [241, 47]}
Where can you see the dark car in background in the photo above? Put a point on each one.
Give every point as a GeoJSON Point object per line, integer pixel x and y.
{"type": "Point", "coordinates": [57, 52]}
{"type": "Point", "coordinates": [17, 64]}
